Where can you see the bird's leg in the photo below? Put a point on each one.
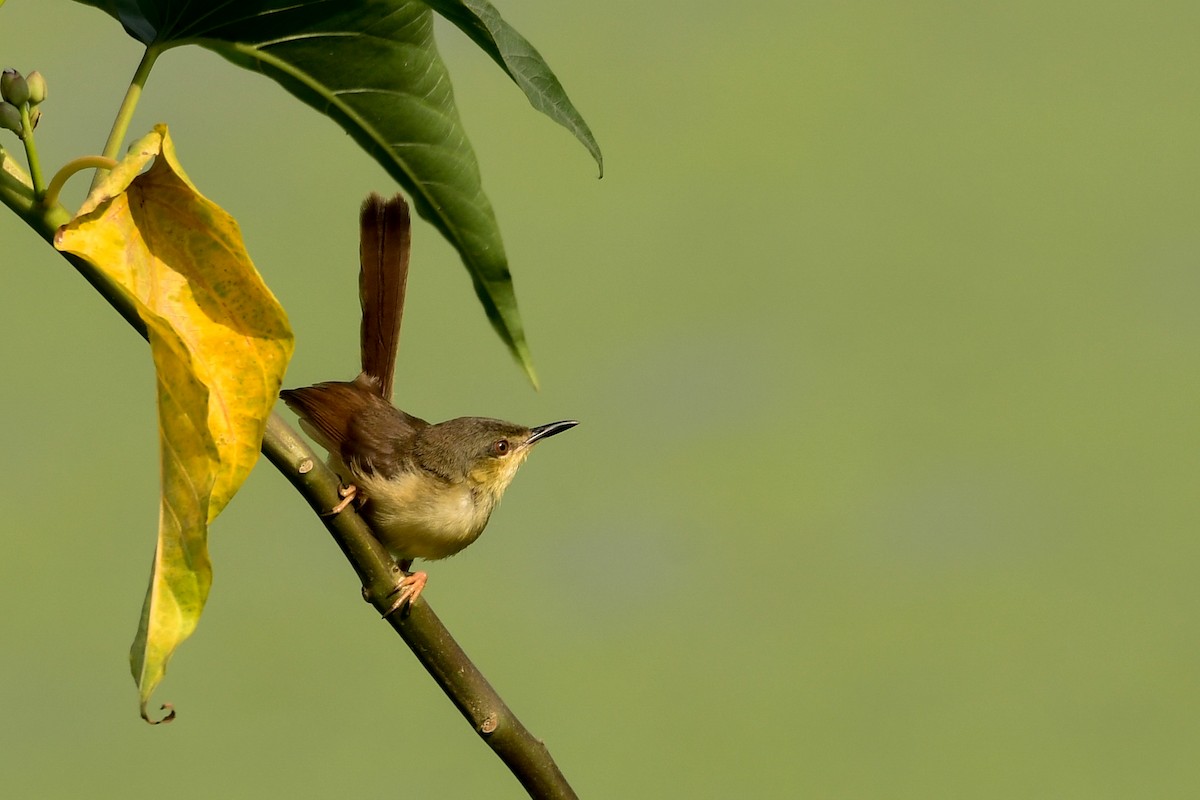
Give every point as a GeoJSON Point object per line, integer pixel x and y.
{"type": "Point", "coordinates": [409, 588]}
{"type": "Point", "coordinates": [347, 492]}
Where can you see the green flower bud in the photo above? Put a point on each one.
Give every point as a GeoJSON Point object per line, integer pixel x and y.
{"type": "Point", "coordinates": [37, 87]}
{"type": "Point", "coordinates": [10, 118]}
{"type": "Point", "coordinates": [13, 87]}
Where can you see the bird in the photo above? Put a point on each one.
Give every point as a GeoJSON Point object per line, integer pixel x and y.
{"type": "Point", "coordinates": [426, 490]}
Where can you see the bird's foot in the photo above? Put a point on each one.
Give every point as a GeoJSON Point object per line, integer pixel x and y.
{"type": "Point", "coordinates": [409, 589]}
{"type": "Point", "coordinates": [347, 492]}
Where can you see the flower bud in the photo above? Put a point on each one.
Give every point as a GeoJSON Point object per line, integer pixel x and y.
{"type": "Point", "coordinates": [37, 87]}
{"type": "Point", "coordinates": [34, 116]}
{"type": "Point", "coordinates": [13, 87]}
{"type": "Point", "coordinates": [10, 118]}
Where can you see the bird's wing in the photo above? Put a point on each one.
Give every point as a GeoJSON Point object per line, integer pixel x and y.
{"type": "Point", "coordinates": [349, 420]}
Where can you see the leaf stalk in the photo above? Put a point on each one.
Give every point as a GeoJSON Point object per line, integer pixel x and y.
{"type": "Point", "coordinates": [133, 94]}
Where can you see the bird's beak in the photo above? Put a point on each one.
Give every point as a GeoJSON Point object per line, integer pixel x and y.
{"type": "Point", "coordinates": [549, 429]}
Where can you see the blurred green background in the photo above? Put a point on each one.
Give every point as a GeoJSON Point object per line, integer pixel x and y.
{"type": "Point", "coordinates": [882, 326]}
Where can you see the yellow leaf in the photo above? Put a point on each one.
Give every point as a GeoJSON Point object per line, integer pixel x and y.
{"type": "Point", "coordinates": [220, 343]}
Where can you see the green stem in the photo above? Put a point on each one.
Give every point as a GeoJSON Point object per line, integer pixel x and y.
{"type": "Point", "coordinates": [125, 113]}
{"type": "Point", "coordinates": [16, 192]}
{"type": "Point", "coordinates": [16, 189]}
{"type": "Point", "coordinates": [31, 153]}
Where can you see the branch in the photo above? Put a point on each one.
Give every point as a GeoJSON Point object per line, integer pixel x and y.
{"type": "Point", "coordinates": [524, 754]}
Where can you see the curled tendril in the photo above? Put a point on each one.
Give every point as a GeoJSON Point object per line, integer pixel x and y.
{"type": "Point", "coordinates": [70, 168]}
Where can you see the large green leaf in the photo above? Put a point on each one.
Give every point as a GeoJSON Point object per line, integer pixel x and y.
{"type": "Point", "coordinates": [481, 21]}
{"type": "Point", "coordinates": [373, 67]}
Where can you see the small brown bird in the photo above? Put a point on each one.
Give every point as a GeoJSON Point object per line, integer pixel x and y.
{"type": "Point", "coordinates": [427, 490]}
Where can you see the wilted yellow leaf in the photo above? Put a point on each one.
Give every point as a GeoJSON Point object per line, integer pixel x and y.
{"type": "Point", "coordinates": [220, 343]}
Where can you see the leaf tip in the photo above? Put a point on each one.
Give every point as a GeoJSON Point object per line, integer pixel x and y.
{"type": "Point", "coordinates": [527, 365]}
{"type": "Point", "coordinates": [167, 707]}
{"type": "Point", "coordinates": [520, 352]}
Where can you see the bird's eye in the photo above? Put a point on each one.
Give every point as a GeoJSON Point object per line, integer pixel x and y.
{"type": "Point", "coordinates": [500, 447]}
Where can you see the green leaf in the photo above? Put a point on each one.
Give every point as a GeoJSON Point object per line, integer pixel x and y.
{"type": "Point", "coordinates": [373, 68]}
{"type": "Point", "coordinates": [220, 343]}
{"type": "Point", "coordinates": [481, 21]}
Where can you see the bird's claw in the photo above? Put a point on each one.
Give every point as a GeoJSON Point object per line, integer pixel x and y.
{"type": "Point", "coordinates": [347, 493]}
{"type": "Point", "coordinates": [409, 589]}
